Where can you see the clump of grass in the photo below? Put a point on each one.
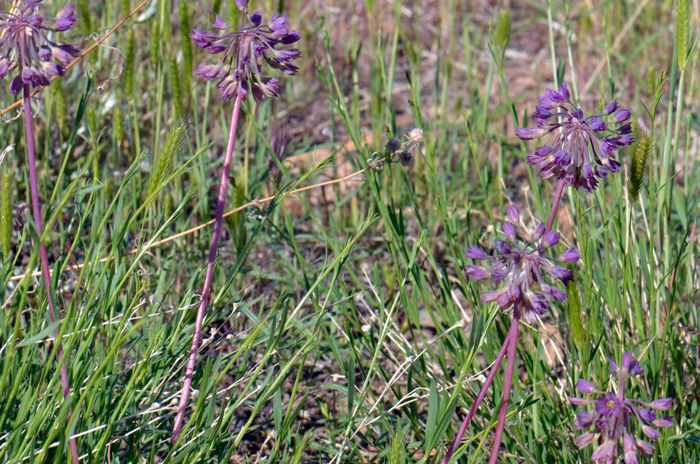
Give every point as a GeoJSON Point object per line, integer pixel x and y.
{"type": "Point", "coordinates": [269, 265]}
{"type": "Point", "coordinates": [163, 162]}
{"type": "Point", "coordinates": [639, 168]}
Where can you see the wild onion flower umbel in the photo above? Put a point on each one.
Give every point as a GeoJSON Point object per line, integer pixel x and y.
{"type": "Point", "coordinates": [243, 48]}
{"type": "Point", "coordinates": [25, 47]}
{"type": "Point", "coordinates": [23, 44]}
{"type": "Point", "coordinates": [585, 146]}
{"type": "Point", "coordinates": [239, 71]}
{"type": "Point", "coordinates": [614, 417]}
{"type": "Point", "coordinates": [520, 264]}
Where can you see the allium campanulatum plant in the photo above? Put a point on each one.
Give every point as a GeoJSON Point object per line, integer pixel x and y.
{"type": "Point", "coordinates": [25, 48]}
{"type": "Point", "coordinates": [24, 45]}
{"type": "Point", "coordinates": [520, 266]}
{"type": "Point", "coordinates": [584, 149]}
{"type": "Point", "coordinates": [524, 270]}
{"type": "Point", "coordinates": [239, 71]}
{"type": "Point", "coordinates": [615, 417]}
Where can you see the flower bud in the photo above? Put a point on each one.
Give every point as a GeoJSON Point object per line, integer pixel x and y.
{"type": "Point", "coordinates": [584, 386]}
{"type": "Point", "coordinates": [622, 116]}
{"type": "Point", "coordinates": [474, 252]}
{"type": "Point", "coordinates": [570, 256]}
{"type": "Point", "coordinates": [611, 107]}
{"type": "Point", "coordinates": [663, 404]}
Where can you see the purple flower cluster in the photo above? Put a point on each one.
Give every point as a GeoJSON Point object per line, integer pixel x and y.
{"type": "Point", "coordinates": [614, 415]}
{"type": "Point", "coordinates": [23, 43]}
{"type": "Point", "coordinates": [240, 69]}
{"type": "Point", "coordinates": [585, 146]}
{"type": "Point", "coordinates": [520, 266]}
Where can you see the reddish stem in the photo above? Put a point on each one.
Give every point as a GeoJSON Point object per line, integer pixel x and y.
{"type": "Point", "coordinates": [555, 205]}
{"type": "Point", "coordinates": [45, 270]}
{"type": "Point", "coordinates": [480, 396]}
{"type": "Point", "coordinates": [507, 383]}
{"type": "Point", "coordinates": [223, 185]}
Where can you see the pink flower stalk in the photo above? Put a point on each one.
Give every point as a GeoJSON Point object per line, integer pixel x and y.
{"type": "Point", "coordinates": [614, 416]}
{"type": "Point", "coordinates": [520, 266]}
{"type": "Point", "coordinates": [24, 46]}
{"type": "Point", "coordinates": [238, 71]}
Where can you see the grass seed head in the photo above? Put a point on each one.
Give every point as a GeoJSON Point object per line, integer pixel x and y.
{"type": "Point", "coordinates": [683, 32]}
{"type": "Point", "coordinates": [639, 168]}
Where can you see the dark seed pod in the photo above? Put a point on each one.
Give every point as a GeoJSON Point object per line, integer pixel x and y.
{"type": "Point", "coordinates": [406, 158]}
{"type": "Point", "coordinates": [393, 145]}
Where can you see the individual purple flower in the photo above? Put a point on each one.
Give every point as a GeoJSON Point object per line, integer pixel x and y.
{"type": "Point", "coordinates": [520, 266]}
{"type": "Point", "coordinates": [240, 69]}
{"type": "Point", "coordinates": [584, 386]}
{"type": "Point", "coordinates": [23, 44]}
{"type": "Point", "coordinates": [585, 146]}
{"type": "Point", "coordinates": [608, 405]}
{"type": "Point", "coordinates": [614, 416]}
